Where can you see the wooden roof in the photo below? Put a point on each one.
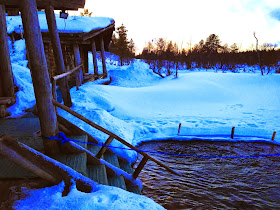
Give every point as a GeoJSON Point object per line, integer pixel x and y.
{"type": "Point", "coordinates": [41, 4]}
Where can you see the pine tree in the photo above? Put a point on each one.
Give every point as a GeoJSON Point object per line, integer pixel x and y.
{"type": "Point", "coordinates": [86, 13]}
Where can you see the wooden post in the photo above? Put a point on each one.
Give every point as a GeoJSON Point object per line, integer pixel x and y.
{"type": "Point", "coordinates": [79, 73]}
{"type": "Point", "coordinates": [103, 149]}
{"type": "Point", "coordinates": [232, 132]}
{"type": "Point", "coordinates": [39, 73]}
{"type": "Point", "coordinates": [58, 57]}
{"type": "Point", "coordinates": [6, 74]}
{"type": "Point", "coordinates": [84, 57]}
{"type": "Point", "coordinates": [103, 57]}
{"type": "Point", "coordinates": [179, 129]}
{"type": "Point", "coordinates": [93, 46]}
{"type": "Point", "coordinates": [140, 167]}
{"type": "Point", "coordinates": [273, 136]}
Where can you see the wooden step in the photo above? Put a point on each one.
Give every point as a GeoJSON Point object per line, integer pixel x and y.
{"type": "Point", "coordinates": [94, 149]}
{"type": "Point", "coordinates": [9, 169]}
{"type": "Point", "coordinates": [19, 127]}
{"type": "Point", "coordinates": [126, 166]}
{"type": "Point", "coordinates": [78, 162]}
{"type": "Point", "coordinates": [98, 174]}
{"type": "Point", "coordinates": [117, 181]}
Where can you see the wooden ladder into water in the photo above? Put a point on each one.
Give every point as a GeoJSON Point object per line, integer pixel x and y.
{"type": "Point", "coordinates": [92, 161]}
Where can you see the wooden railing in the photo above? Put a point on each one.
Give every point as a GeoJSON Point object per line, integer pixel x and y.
{"type": "Point", "coordinates": [113, 136]}
{"type": "Point", "coordinates": [60, 76]}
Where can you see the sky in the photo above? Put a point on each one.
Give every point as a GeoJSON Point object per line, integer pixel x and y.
{"type": "Point", "coordinates": [186, 21]}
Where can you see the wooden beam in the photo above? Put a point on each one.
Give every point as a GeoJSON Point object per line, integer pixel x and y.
{"type": "Point", "coordinates": [95, 33]}
{"type": "Point", "coordinates": [140, 167]}
{"type": "Point", "coordinates": [105, 73]}
{"type": "Point", "coordinates": [58, 57]}
{"type": "Point", "coordinates": [104, 148]}
{"type": "Point", "coordinates": [42, 165]}
{"type": "Point", "coordinates": [93, 46]}
{"type": "Point", "coordinates": [79, 73]}
{"type": "Point", "coordinates": [9, 101]}
{"type": "Point", "coordinates": [39, 73]}
{"type": "Point", "coordinates": [6, 74]}
{"type": "Point", "coordinates": [57, 4]}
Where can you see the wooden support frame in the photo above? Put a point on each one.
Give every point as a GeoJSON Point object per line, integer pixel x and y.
{"type": "Point", "coordinates": [6, 74]}
{"type": "Point", "coordinates": [58, 57]}
{"type": "Point", "coordinates": [39, 73]}
{"type": "Point", "coordinates": [105, 73]}
{"type": "Point", "coordinates": [93, 50]}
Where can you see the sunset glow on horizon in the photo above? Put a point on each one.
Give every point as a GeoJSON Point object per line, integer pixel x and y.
{"type": "Point", "coordinates": [185, 21]}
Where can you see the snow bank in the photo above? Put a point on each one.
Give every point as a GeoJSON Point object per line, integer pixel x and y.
{"type": "Point", "coordinates": [105, 197]}
{"type": "Point", "coordinates": [73, 24]}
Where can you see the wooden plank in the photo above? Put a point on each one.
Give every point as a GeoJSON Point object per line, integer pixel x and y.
{"type": "Point", "coordinates": [39, 73]}
{"type": "Point", "coordinates": [6, 74]}
{"type": "Point", "coordinates": [103, 57]}
{"type": "Point", "coordinates": [84, 59]}
{"type": "Point", "coordinates": [42, 165]}
{"type": "Point", "coordinates": [58, 57]}
{"type": "Point", "coordinates": [93, 47]}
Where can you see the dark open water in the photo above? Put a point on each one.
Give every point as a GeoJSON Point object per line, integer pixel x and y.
{"type": "Point", "coordinates": [216, 183]}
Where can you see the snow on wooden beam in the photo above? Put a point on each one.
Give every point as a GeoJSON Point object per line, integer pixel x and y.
{"type": "Point", "coordinates": [57, 4]}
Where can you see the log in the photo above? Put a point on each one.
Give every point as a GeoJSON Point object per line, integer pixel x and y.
{"type": "Point", "coordinates": [103, 57]}
{"type": "Point", "coordinates": [58, 57]}
{"type": "Point", "coordinates": [39, 73]}
{"type": "Point", "coordinates": [93, 46]}
{"type": "Point", "coordinates": [79, 73]}
{"type": "Point", "coordinates": [6, 74]}
{"type": "Point", "coordinates": [84, 59]}
{"type": "Point", "coordinates": [9, 101]}
{"type": "Point", "coordinates": [42, 165]}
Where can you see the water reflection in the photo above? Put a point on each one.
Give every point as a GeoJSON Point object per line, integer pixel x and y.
{"type": "Point", "coordinates": [239, 183]}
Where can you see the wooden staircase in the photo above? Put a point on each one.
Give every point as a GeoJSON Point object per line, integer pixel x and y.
{"type": "Point", "coordinates": [23, 130]}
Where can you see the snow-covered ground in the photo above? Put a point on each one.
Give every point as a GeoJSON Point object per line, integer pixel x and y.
{"type": "Point", "coordinates": [140, 106]}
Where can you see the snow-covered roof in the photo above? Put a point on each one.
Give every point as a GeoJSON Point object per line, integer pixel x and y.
{"type": "Point", "coordinates": [73, 24]}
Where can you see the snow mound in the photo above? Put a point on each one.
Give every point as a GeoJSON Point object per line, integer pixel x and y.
{"type": "Point", "coordinates": [137, 74]}
{"type": "Point", "coordinates": [105, 197]}
{"type": "Point", "coordinates": [25, 95]}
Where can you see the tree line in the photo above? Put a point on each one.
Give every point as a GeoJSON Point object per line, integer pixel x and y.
{"type": "Point", "coordinates": [208, 54]}
{"type": "Point", "coordinates": [164, 55]}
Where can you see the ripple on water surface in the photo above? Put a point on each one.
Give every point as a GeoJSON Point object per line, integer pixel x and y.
{"type": "Point", "coordinates": [207, 183]}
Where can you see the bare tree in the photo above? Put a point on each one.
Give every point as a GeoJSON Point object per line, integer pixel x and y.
{"type": "Point", "coordinates": [257, 49]}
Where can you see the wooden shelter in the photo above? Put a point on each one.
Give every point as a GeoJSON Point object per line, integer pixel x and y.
{"type": "Point", "coordinates": [37, 59]}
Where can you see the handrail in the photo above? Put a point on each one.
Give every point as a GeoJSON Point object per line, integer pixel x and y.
{"type": "Point", "coordinates": [98, 127]}
{"type": "Point", "coordinates": [67, 73]}
{"type": "Point", "coordinates": [57, 77]}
